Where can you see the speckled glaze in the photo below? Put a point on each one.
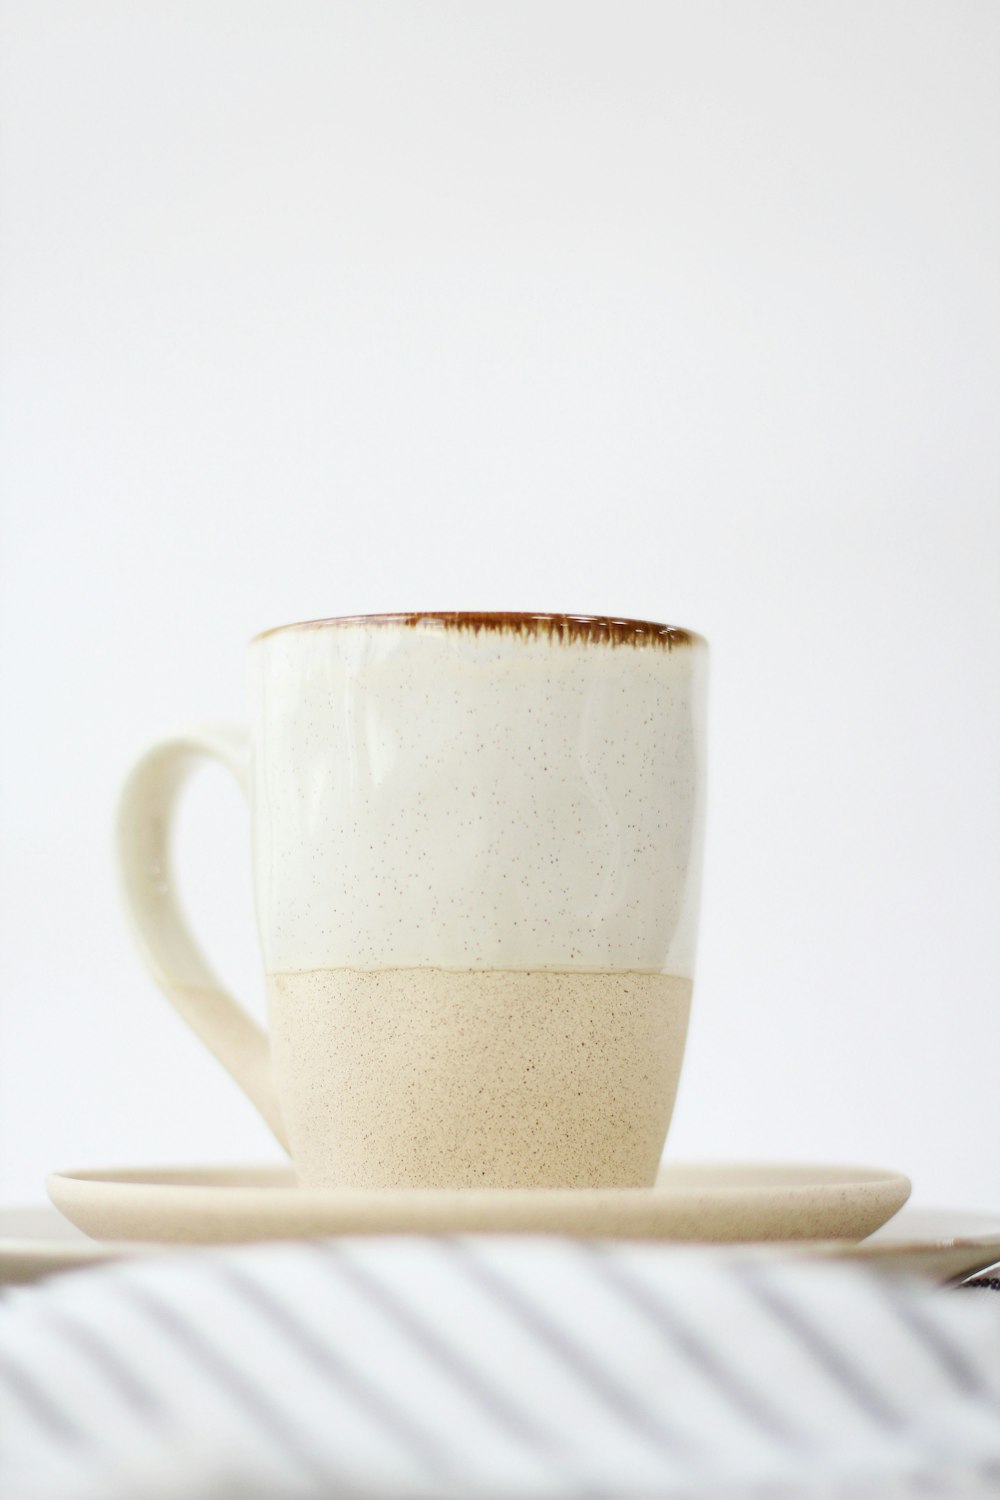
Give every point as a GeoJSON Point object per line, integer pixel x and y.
{"type": "Point", "coordinates": [477, 858]}
{"type": "Point", "coordinates": [428, 791]}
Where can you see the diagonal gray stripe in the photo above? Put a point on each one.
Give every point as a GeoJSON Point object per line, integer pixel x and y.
{"type": "Point", "coordinates": [240, 1390]}
{"type": "Point", "coordinates": [937, 1343]}
{"type": "Point", "coordinates": [644, 1420]}
{"type": "Point", "coordinates": [120, 1375]}
{"type": "Point", "coordinates": [667, 1321]}
{"type": "Point", "coordinates": [514, 1421]}
{"type": "Point", "coordinates": [378, 1404]}
{"type": "Point", "coordinates": [34, 1400]}
{"type": "Point", "coordinates": [824, 1351]}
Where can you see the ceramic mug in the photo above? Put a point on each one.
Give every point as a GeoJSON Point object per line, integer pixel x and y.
{"type": "Point", "coordinates": [476, 859]}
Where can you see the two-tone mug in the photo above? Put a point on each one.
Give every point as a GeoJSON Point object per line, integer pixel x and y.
{"type": "Point", "coordinates": [476, 856]}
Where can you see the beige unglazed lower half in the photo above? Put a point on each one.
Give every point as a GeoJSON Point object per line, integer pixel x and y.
{"type": "Point", "coordinates": [428, 1078]}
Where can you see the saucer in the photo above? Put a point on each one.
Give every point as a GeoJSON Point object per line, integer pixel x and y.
{"type": "Point", "coordinates": [708, 1203]}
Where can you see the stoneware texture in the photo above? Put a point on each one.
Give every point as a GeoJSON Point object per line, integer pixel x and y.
{"type": "Point", "coordinates": [477, 1077]}
{"type": "Point", "coordinates": [718, 1203]}
{"type": "Point", "coordinates": [477, 859]}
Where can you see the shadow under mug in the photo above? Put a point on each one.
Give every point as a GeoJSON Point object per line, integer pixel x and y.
{"type": "Point", "coordinates": [477, 848]}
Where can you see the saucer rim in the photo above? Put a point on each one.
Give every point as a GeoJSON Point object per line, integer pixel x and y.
{"type": "Point", "coordinates": [202, 1204]}
{"type": "Point", "coordinates": [199, 1177]}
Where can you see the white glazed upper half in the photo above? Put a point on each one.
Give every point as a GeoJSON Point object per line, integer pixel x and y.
{"type": "Point", "coordinates": [426, 793]}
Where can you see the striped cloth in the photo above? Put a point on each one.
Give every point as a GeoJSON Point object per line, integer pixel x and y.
{"type": "Point", "coordinates": [494, 1369]}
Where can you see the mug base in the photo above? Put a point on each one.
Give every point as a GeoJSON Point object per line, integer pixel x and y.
{"type": "Point", "coordinates": [435, 1078]}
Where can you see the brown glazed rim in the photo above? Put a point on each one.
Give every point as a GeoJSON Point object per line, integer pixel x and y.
{"type": "Point", "coordinates": [611, 629]}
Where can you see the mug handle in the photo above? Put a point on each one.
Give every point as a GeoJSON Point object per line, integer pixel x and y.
{"type": "Point", "coordinates": [145, 820]}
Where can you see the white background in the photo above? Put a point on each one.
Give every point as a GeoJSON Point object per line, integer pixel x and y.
{"type": "Point", "coordinates": [683, 311]}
